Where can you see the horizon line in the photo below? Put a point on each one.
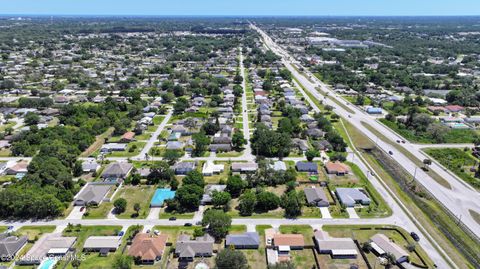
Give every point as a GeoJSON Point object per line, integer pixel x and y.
{"type": "Point", "coordinates": [230, 15]}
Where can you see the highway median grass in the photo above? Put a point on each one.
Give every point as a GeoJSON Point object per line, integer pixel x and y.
{"type": "Point", "coordinates": [440, 180]}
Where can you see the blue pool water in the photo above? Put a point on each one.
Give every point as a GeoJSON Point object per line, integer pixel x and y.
{"type": "Point", "coordinates": [47, 264]}
{"type": "Point", "coordinates": [160, 196]}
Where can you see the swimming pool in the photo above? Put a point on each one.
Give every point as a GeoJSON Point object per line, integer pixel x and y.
{"type": "Point", "coordinates": [47, 264]}
{"type": "Point", "coordinates": [160, 196]}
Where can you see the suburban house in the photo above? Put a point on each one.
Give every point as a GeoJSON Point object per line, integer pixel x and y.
{"type": "Point", "coordinates": [144, 172]}
{"type": "Point", "coordinates": [336, 168]}
{"type": "Point", "coordinates": [220, 147]}
{"type": "Point", "coordinates": [316, 197]}
{"type": "Point", "coordinates": [352, 196]}
{"type": "Point", "coordinates": [174, 136]}
{"type": "Point", "coordinates": [187, 249]}
{"type": "Point", "coordinates": [127, 137]}
{"type": "Point", "coordinates": [92, 194]}
{"type": "Point", "coordinates": [309, 167]}
{"type": "Point", "coordinates": [117, 170]}
{"type": "Point", "coordinates": [338, 248]}
{"type": "Point", "coordinates": [148, 248]}
{"type": "Point", "coordinates": [110, 147]}
{"type": "Point", "coordinates": [210, 168]}
{"type": "Point", "coordinates": [174, 145]}
{"type": "Point", "coordinates": [244, 167]}
{"type": "Point", "coordinates": [278, 166]}
{"type": "Point", "coordinates": [374, 110]}
{"type": "Point", "coordinates": [207, 196]}
{"type": "Point", "coordinates": [248, 240]}
{"type": "Point", "coordinates": [14, 168]}
{"type": "Point", "coordinates": [182, 168]}
{"type": "Point", "coordinates": [381, 245]}
{"type": "Point", "coordinates": [454, 108]}
{"type": "Point", "coordinates": [49, 245]}
{"type": "Point", "coordinates": [4, 144]}
{"type": "Point", "coordinates": [287, 242]}
{"type": "Point", "coordinates": [102, 244]}
{"type": "Point", "coordinates": [10, 246]}
{"type": "Point", "coordinates": [90, 166]}
{"type": "Point", "coordinates": [282, 245]}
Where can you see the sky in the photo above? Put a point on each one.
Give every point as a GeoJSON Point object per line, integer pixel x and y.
{"type": "Point", "coordinates": [243, 7]}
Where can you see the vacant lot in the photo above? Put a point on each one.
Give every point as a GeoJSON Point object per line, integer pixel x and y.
{"type": "Point", "coordinates": [136, 194]}
{"type": "Point", "coordinates": [458, 161]}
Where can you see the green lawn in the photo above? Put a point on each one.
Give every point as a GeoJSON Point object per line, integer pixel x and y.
{"type": "Point", "coordinates": [304, 258]}
{"type": "Point", "coordinates": [35, 232]}
{"type": "Point", "coordinates": [174, 231]}
{"type": "Point", "coordinates": [99, 212]}
{"type": "Point", "coordinates": [136, 194]}
{"type": "Point", "coordinates": [133, 149]}
{"type": "Point", "coordinates": [167, 215]}
{"type": "Point", "coordinates": [158, 119]}
{"type": "Point", "coordinates": [144, 136]}
{"type": "Point", "coordinates": [92, 260]}
{"type": "Point", "coordinates": [230, 154]}
{"type": "Point", "coordinates": [458, 161]}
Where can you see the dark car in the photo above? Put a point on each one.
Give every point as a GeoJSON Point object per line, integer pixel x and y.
{"type": "Point", "coordinates": [82, 208]}
{"type": "Point", "coordinates": [188, 224]}
{"type": "Point", "coordinates": [172, 218]}
{"type": "Point", "coordinates": [415, 236]}
{"type": "Point", "coordinates": [390, 152]}
{"type": "Point", "coordinates": [398, 141]}
{"type": "Point", "coordinates": [403, 141]}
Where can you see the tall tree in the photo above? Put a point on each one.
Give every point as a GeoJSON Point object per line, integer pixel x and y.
{"type": "Point", "coordinates": [231, 259]}
{"type": "Point", "coordinates": [218, 222]}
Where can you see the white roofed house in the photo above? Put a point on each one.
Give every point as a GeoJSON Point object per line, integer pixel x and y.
{"type": "Point", "coordinates": [382, 245]}
{"type": "Point", "coordinates": [102, 244]}
{"type": "Point", "coordinates": [49, 245]}
{"type": "Point", "coordinates": [110, 147]}
{"type": "Point", "coordinates": [244, 167]}
{"type": "Point", "coordinates": [210, 168]}
{"type": "Point", "coordinates": [338, 248]}
{"type": "Point", "coordinates": [90, 166]}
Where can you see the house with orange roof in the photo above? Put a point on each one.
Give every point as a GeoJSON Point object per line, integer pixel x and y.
{"type": "Point", "coordinates": [148, 248]}
{"type": "Point", "coordinates": [128, 137]}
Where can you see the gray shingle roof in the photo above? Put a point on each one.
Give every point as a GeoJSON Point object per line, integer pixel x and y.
{"type": "Point", "coordinates": [187, 248]}
{"type": "Point", "coordinates": [117, 169]}
{"type": "Point", "coordinates": [92, 193]}
{"type": "Point", "coordinates": [245, 239]}
{"type": "Point", "coordinates": [10, 245]}
{"type": "Point", "coordinates": [316, 196]}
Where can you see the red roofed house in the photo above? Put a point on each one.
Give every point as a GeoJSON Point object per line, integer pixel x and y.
{"type": "Point", "coordinates": [454, 108]}
{"type": "Point", "coordinates": [436, 108]}
{"type": "Point", "coordinates": [337, 168]}
{"type": "Point", "coordinates": [128, 137]}
{"type": "Point", "coordinates": [148, 248]}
